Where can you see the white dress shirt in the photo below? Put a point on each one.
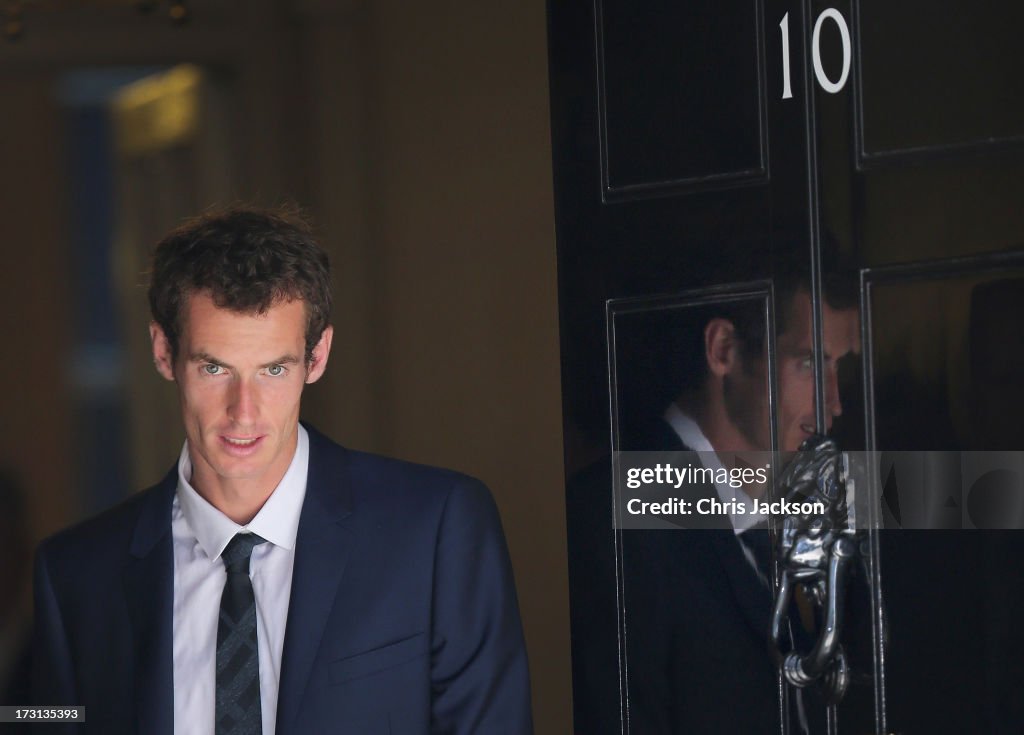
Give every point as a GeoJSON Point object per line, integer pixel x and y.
{"type": "Point", "coordinates": [200, 533]}
{"type": "Point", "coordinates": [691, 436]}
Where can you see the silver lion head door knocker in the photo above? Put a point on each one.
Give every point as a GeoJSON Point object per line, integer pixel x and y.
{"type": "Point", "coordinates": [815, 552]}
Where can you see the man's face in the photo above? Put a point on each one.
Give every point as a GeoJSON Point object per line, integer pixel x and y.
{"type": "Point", "coordinates": [240, 377]}
{"type": "Point", "coordinates": [746, 388]}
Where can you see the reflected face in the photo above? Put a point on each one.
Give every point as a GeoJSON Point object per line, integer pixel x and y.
{"type": "Point", "coordinates": [746, 389]}
{"type": "Point", "coordinates": [240, 377]}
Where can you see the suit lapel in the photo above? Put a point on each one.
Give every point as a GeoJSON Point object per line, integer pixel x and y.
{"type": "Point", "coordinates": [752, 596]}
{"type": "Point", "coordinates": [322, 548]}
{"type": "Point", "coordinates": [149, 591]}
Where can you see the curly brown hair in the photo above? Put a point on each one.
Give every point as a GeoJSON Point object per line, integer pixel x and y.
{"type": "Point", "coordinates": [248, 260]}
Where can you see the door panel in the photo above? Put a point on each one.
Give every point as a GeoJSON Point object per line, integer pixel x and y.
{"type": "Point", "coordinates": [681, 102]}
{"type": "Point", "coordinates": [944, 349]}
{"type": "Point", "coordinates": [947, 351]}
{"type": "Point", "coordinates": [700, 148]}
{"type": "Point", "coordinates": [938, 79]}
{"type": "Point", "coordinates": [654, 219]}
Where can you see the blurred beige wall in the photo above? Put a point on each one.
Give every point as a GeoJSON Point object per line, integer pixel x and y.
{"type": "Point", "coordinates": [36, 433]}
{"type": "Point", "coordinates": [447, 350]}
{"type": "Point", "coordinates": [418, 138]}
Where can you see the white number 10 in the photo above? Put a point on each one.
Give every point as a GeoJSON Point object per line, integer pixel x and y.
{"type": "Point", "coordinates": [827, 84]}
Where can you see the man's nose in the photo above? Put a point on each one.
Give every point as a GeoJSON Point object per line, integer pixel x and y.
{"type": "Point", "coordinates": [242, 407]}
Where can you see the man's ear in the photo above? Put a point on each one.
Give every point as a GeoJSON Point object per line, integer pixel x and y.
{"type": "Point", "coordinates": [318, 360]}
{"type": "Point", "coordinates": [162, 359]}
{"type": "Point", "coordinates": [720, 346]}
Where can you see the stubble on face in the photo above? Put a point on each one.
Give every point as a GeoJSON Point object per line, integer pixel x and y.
{"type": "Point", "coordinates": [746, 404]}
{"type": "Point", "coordinates": [745, 391]}
{"type": "Point", "coordinates": [240, 378]}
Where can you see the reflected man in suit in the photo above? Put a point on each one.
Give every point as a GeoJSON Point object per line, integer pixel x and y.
{"type": "Point", "coordinates": [274, 582]}
{"type": "Point", "coordinates": [696, 602]}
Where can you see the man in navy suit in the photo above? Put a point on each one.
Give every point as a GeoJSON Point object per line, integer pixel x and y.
{"type": "Point", "coordinates": [681, 645]}
{"type": "Point", "coordinates": [701, 599]}
{"type": "Point", "coordinates": [274, 581]}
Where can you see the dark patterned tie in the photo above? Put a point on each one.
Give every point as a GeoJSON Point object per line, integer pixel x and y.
{"type": "Point", "coordinates": [238, 665]}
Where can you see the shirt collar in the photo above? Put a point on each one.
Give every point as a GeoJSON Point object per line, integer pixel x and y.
{"type": "Point", "coordinates": [277, 521]}
{"type": "Point", "coordinates": [687, 430]}
{"type": "Point", "coordinates": [691, 436]}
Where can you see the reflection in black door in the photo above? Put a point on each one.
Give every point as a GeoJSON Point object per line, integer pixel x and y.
{"type": "Point", "coordinates": [777, 219]}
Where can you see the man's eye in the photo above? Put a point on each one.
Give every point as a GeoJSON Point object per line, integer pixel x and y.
{"type": "Point", "coordinates": [275, 370]}
{"type": "Point", "coordinates": [211, 369]}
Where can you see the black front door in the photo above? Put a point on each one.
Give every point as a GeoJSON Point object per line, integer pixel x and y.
{"type": "Point", "coordinates": [778, 220]}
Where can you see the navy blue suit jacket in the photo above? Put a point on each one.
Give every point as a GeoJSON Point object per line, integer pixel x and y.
{"type": "Point", "coordinates": [402, 619]}
{"type": "Point", "coordinates": [693, 657]}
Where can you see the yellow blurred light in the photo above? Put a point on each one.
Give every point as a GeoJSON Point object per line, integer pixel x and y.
{"type": "Point", "coordinates": [158, 112]}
